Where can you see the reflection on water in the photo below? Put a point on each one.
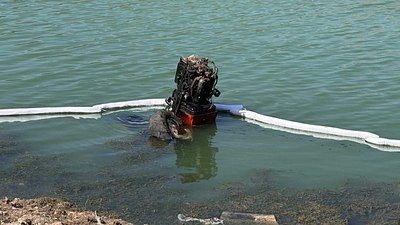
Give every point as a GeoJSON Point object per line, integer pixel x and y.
{"type": "Point", "coordinates": [197, 157]}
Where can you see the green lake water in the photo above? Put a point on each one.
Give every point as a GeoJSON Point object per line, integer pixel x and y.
{"type": "Point", "coordinates": [332, 63]}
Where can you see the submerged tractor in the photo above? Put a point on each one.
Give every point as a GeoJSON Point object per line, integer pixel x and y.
{"type": "Point", "coordinates": [190, 103]}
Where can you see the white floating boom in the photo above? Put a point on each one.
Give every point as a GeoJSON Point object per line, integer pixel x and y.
{"type": "Point", "coordinates": [27, 114]}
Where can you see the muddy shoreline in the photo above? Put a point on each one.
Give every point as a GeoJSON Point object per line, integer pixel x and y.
{"type": "Point", "coordinates": [50, 211]}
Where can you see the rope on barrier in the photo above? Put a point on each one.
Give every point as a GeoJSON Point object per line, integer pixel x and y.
{"type": "Point", "coordinates": [371, 139]}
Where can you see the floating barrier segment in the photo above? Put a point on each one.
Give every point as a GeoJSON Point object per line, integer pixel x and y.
{"type": "Point", "coordinates": [28, 114]}
{"type": "Point", "coordinates": [82, 110]}
{"type": "Point", "coordinates": [371, 139]}
{"type": "Point", "coordinates": [91, 112]}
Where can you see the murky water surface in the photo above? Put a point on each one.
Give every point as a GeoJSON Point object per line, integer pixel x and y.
{"type": "Point", "coordinates": [328, 63]}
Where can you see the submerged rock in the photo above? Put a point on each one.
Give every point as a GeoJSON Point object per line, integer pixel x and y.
{"type": "Point", "coordinates": [158, 126]}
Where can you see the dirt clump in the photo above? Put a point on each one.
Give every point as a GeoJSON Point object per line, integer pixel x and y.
{"type": "Point", "coordinates": [49, 211]}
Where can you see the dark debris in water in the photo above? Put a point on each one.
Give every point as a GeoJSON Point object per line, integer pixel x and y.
{"type": "Point", "coordinates": [10, 146]}
{"type": "Point", "coordinates": [142, 196]}
{"type": "Point", "coordinates": [151, 199]}
{"type": "Point", "coordinates": [137, 150]}
{"type": "Point", "coordinates": [353, 203]}
{"type": "Point", "coordinates": [29, 173]}
{"type": "Point", "coordinates": [147, 199]}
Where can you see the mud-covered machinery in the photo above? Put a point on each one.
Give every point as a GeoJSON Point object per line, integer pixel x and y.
{"type": "Point", "coordinates": [190, 103]}
{"type": "Point", "coordinates": [191, 100]}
